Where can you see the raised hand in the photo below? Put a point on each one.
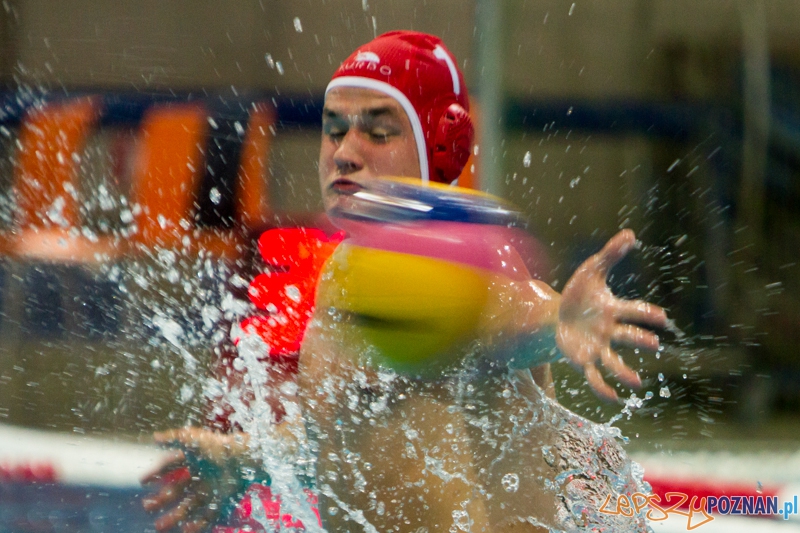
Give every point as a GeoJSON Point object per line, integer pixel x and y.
{"type": "Point", "coordinates": [591, 318]}
{"type": "Point", "coordinates": [189, 497]}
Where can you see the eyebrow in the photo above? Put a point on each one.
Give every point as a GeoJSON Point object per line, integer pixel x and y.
{"type": "Point", "coordinates": [369, 113]}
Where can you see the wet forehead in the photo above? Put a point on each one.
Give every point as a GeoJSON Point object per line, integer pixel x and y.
{"type": "Point", "coordinates": [359, 101]}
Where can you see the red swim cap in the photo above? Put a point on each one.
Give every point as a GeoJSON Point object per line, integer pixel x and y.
{"type": "Point", "coordinates": [422, 75]}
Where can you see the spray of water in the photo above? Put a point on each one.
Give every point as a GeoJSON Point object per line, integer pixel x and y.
{"type": "Point", "coordinates": [283, 455]}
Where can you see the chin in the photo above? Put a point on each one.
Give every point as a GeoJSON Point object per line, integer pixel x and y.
{"type": "Point", "coordinates": [331, 200]}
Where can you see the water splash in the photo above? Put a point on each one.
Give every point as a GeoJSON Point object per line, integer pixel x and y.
{"type": "Point", "coordinates": [284, 458]}
{"type": "Point", "coordinates": [173, 333]}
{"type": "Point", "coordinates": [528, 459]}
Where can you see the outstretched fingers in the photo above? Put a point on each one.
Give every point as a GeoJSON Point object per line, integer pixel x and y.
{"type": "Point", "coordinates": [177, 515]}
{"type": "Point", "coordinates": [615, 249]}
{"type": "Point", "coordinates": [203, 517]}
{"type": "Point", "coordinates": [614, 363]}
{"type": "Point", "coordinates": [168, 468]}
{"type": "Point", "coordinates": [598, 384]}
{"type": "Point", "coordinates": [175, 484]}
{"type": "Point", "coordinates": [635, 337]}
{"type": "Point", "coordinates": [194, 526]}
{"type": "Point", "coordinates": [642, 312]}
{"type": "Point", "coordinates": [210, 444]}
{"type": "Point", "coordinates": [182, 436]}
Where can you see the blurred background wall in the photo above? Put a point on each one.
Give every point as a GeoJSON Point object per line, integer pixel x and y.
{"type": "Point", "coordinates": [678, 118]}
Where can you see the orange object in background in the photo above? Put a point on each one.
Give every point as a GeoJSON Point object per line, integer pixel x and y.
{"type": "Point", "coordinates": [167, 174]}
{"type": "Point", "coordinates": [169, 170]}
{"type": "Point", "coordinates": [253, 209]}
{"type": "Point", "coordinates": [52, 140]}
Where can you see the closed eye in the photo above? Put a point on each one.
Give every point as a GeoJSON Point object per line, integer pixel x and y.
{"type": "Point", "coordinates": [379, 137]}
{"type": "Point", "coordinates": [381, 133]}
{"type": "Point", "coordinates": [334, 126]}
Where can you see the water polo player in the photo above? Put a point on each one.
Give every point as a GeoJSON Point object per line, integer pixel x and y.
{"type": "Point", "coordinates": [400, 453]}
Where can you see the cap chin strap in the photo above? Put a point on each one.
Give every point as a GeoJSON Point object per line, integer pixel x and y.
{"type": "Point", "coordinates": [416, 126]}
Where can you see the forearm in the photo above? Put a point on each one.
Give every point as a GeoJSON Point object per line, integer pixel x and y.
{"type": "Point", "coordinates": [538, 307]}
{"type": "Point", "coordinates": [519, 323]}
{"type": "Point", "coordinates": [516, 308]}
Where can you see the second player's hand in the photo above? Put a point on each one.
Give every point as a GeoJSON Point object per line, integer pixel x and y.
{"type": "Point", "coordinates": [190, 501]}
{"type": "Point", "coordinates": [591, 318]}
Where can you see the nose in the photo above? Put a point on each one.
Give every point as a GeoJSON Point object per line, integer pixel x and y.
{"type": "Point", "coordinates": [349, 156]}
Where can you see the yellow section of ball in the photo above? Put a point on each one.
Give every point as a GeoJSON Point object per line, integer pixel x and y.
{"type": "Point", "coordinates": [412, 309]}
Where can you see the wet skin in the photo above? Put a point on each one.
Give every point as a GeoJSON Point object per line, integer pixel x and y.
{"type": "Point", "coordinates": [366, 135]}
{"type": "Point", "coordinates": [421, 481]}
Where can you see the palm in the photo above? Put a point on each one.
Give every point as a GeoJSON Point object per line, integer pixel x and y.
{"type": "Point", "coordinates": [591, 318]}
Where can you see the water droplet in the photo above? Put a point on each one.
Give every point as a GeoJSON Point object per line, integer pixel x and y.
{"type": "Point", "coordinates": [510, 481]}
{"type": "Point", "coordinates": [279, 67]}
{"type": "Point", "coordinates": [213, 123]}
{"type": "Point", "coordinates": [526, 160]}
{"type": "Point", "coordinates": [298, 26]}
{"type": "Point", "coordinates": [548, 455]}
{"type": "Point", "coordinates": [673, 165]}
{"type": "Point", "coordinates": [461, 521]}
{"type": "Point", "coordinates": [293, 293]}
{"type": "Point", "coordinates": [648, 395]}
{"type": "Point", "coordinates": [215, 196]}
{"type": "Point", "coordinates": [660, 376]}
{"type": "Point", "coordinates": [572, 9]}
{"type": "Point", "coordinates": [173, 276]}
{"type": "Point", "coordinates": [186, 393]}
{"type": "Point", "coordinates": [574, 182]}
{"type": "Point", "coordinates": [269, 60]}
{"type": "Point", "coordinates": [664, 392]}
{"type": "Point", "coordinates": [569, 111]}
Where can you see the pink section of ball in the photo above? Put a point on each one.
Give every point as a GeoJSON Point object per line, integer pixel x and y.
{"type": "Point", "coordinates": [493, 248]}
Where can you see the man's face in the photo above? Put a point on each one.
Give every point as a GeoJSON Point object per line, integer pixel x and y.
{"type": "Point", "coordinates": [365, 134]}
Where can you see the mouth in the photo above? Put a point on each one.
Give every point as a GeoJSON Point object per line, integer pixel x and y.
{"type": "Point", "coordinates": [345, 186]}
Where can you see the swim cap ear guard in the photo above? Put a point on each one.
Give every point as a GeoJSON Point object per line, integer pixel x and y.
{"type": "Point", "coordinates": [452, 143]}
